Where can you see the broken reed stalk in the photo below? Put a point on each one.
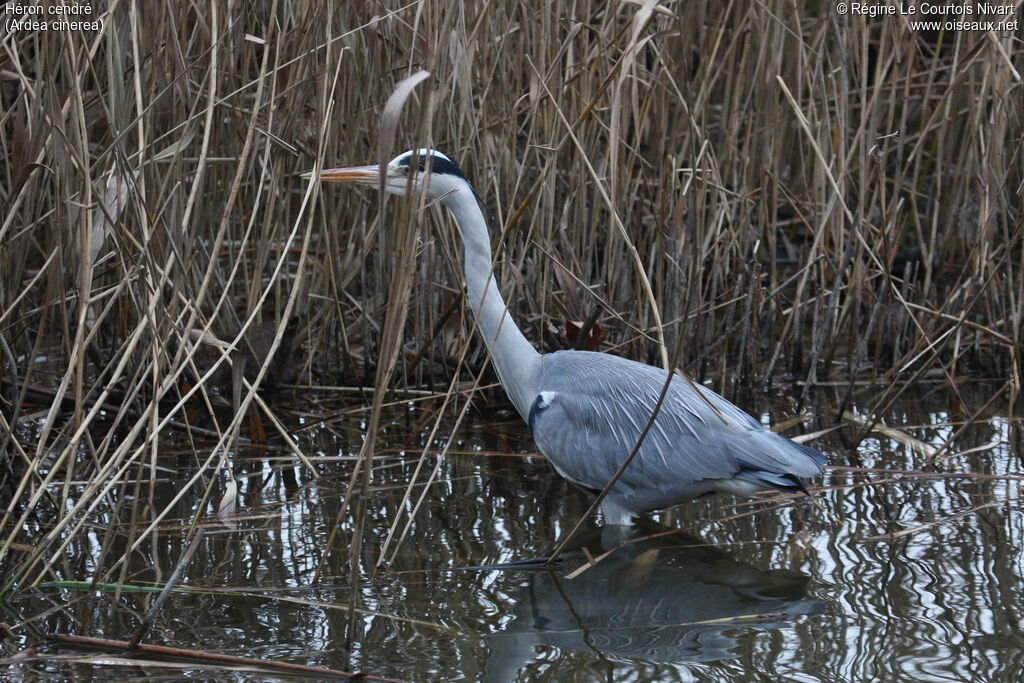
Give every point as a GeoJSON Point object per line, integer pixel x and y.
{"type": "Point", "coordinates": [212, 659]}
{"type": "Point", "coordinates": [172, 581]}
{"type": "Point", "coordinates": [796, 194]}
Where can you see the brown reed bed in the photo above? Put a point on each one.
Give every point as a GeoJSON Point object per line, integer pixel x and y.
{"type": "Point", "coordinates": [812, 198]}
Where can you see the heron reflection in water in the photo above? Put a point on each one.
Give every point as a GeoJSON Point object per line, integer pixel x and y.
{"type": "Point", "coordinates": [661, 598]}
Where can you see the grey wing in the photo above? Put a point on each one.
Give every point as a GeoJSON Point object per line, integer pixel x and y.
{"type": "Point", "coordinates": [592, 408]}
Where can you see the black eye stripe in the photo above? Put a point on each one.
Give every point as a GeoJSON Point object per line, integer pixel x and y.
{"type": "Point", "coordinates": [442, 165]}
{"type": "Point", "coordinates": [438, 164]}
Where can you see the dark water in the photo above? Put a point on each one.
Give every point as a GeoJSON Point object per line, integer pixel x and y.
{"type": "Point", "coordinates": [894, 577]}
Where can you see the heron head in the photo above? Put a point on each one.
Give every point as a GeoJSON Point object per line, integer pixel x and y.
{"type": "Point", "coordinates": [406, 173]}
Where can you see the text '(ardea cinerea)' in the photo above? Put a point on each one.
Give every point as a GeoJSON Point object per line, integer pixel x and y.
{"type": "Point", "coordinates": [587, 410]}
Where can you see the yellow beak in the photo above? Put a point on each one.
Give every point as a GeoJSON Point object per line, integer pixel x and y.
{"type": "Point", "coordinates": [364, 175]}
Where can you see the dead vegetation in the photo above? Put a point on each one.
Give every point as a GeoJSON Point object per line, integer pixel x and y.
{"type": "Point", "coordinates": [813, 198]}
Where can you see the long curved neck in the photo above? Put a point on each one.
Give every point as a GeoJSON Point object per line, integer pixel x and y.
{"type": "Point", "coordinates": [514, 358]}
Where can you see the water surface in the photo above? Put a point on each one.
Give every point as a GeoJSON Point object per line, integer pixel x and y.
{"type": "Point", "coordinates": [894, 577]}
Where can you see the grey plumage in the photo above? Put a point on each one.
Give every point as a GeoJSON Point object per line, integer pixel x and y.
{"type": "Point", "coordinates": [593, 407]}
{"type": "Point", "coordinates": [587, 410]}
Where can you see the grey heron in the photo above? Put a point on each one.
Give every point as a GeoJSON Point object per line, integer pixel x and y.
{"type": "Point", "coordinates": [587, 410]}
